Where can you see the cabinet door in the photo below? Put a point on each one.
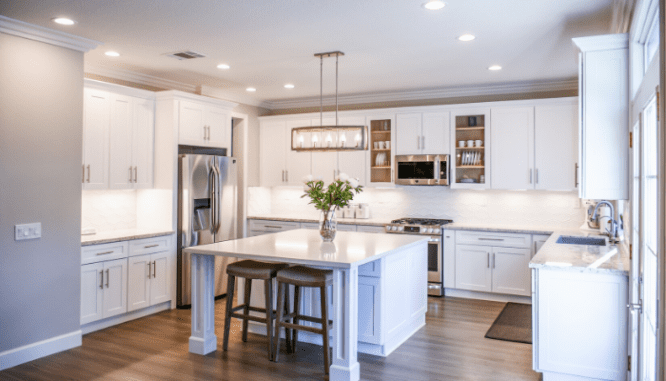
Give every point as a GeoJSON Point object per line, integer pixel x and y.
{"type": "Point", "coordinates": [555, 147]}
{"type": "Point", "coordinates": [408, 134]}
{"type": "Point", "coordinates": [160, 283]}
{"type": "Point", "coordinates": [139, 280]}
{"type": "Point", "coordinates": [96, 139]}
{"type": "Point", "coordinates": [473, 268]}
{"type": "Point", "coordinates": [115, 287]}
{"type": "Point", "coordinates": [539, 240]}
{"type": "Point", "coordinates": [369, 300]}
{"type": "Point", "coordinates": [218, 122]}
{"type": "Point", "coordinates": [512, 155]}
{"type": "Point", "coordinates": [298, 164]}
{"type": "Point", "coordinates": [353, 163]}
{"type": "Point", "coordinates": [511, 272]}
{"type": "Point", "coordinates": [436, 132]}
{"type": "Point", "coordinates": [91, 292]}
{"type": "Point", "coordinates": [143, 142]}
{"type": "Point", "coordinates": [272, 153]}
{"type": "Point", "coordinates": [191, 124]}
{"type": "Point", "coordinates": [120, 143]}
{"type": "Point", "coordinates": [346, 228]}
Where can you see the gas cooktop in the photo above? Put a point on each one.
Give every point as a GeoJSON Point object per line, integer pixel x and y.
{"type": "Point", "coordinates": [421, 221]}
{"type": "Point", "coordinates": [417, 225]}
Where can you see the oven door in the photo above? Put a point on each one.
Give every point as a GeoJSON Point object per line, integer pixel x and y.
{"type": "Point", "coordinates": [435, 278]}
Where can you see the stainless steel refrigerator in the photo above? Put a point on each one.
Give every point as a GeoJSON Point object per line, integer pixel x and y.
{"type": "Point", "coordinates": [207, 194]}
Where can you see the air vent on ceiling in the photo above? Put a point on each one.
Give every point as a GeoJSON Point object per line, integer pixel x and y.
{"type": "Point", "coordinates": [186, 55]}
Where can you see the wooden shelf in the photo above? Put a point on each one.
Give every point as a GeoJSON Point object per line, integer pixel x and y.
{"type": "Point", "coordinates": [381, 132]}
{"type": "Point", "coordinates": [466, 148]}
{"type": "Point", "coordinates": [470, 166]}
{"type": "Point", "coordinates": [381, 149]}
{"type": "Point", "coordinates": [470, 128]}
{"type": "Point", "coordinates": [381, 167]}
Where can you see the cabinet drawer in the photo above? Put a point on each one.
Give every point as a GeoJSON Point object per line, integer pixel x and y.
{"type": "Point", "coordinates": [104, 252]}
{"type": "Point", "coordinates": [273, 226]}
{"type": "Point", "coordinates": [493, 239]}
{"type": "Point", "coordinates": [346, 228]}
{"type": "Point", "coordinates": [149, 245]}
{"type": "Point", "coordinates": [310, 225]}
{"type": "Point", "coordinates": [370, 229]}
{"type": "Point", "coordinates": [372, 269]}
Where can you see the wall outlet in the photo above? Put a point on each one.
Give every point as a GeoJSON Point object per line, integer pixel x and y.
{"type": "Point", "coordinates": [27, 231]}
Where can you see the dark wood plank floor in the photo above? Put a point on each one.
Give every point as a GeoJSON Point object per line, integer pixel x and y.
{"type": "Point", "coordinates": [450, 347]}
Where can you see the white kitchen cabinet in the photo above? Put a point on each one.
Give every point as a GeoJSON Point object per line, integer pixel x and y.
{"type": "Point", "coordinates": [346, 228]}
{"type": "Point", "coordinates": [149, 280]}
{"type": "Point", "coordinates": [103, 290]}
{"type": "Point", "coordinates": [603, 123]}
{"type": "Point", "coordinates": [96, 111]}
{"type": "Point", "coordinates": [297, 164]}
{"type": "Point", "coordinates": [204, 125]}
{"type": "Point", "coordinates": [92, 292]}
{"type": "Point", "coordinates": [423, 133]}
{"type": "Point", "coordinates": [353, 163]}
{"type": "Point", "coordinates": [473, 270]}
{"type": "Point", "coordinates": [272, 153]}
{"type": "Point", "coordinates": [538, 241]}
{"type": "Point", "coordinates": [470, 124]}
{"type": "Point", "coordinates": [381, 128]}
{"type": "Point", "coordinates": [115, 288]}
{"type": "Point", "coordinates": [370, 229]}
{"type": "Point", "coordinates": [218, 122]}
{"type": "Point", "coordinates": [513, 148]}
{"type": "Point", "coordinates": [555, 146]}
{"type": "Point", "coordinates": [510, 270]}
{"type": "Point", "coordinates": [191, 129]}
{"type": "Point", "coordinates": [324, 164]}
{"type": "Point", "coordinates": [143, 138]}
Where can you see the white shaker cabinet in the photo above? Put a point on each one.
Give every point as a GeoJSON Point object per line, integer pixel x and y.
{"type": "Point", "coordinates": [115, 288]}
{"type": "Point", "coordinates": [408, 134]}
{"type": "Point", "coordinates": [143, 138]}
{"type": "Point", "coordinates": [555, 146]}
{"type": "Point", "coordinates": [92, 292]}
{"type": "Point", "coordinates": [148, 280]}
{"type": "Point", "coordinates": [103, 290]}
{"type": "Point", "coordinates": [297, 164]}
{"type": "Point", "coordinates": [473, 270]}
{"type": "Point", "coordinates": [604, 101]}
{"type": "Point", "coordinates": [205, 125]}
{"type": "Point", "coordinates": [218, 123]}
{"type": "Point", "coordinates": [95, 168]}
{"type": "Point", "coordinates": [279, 164]}
{"type": "Point", "coordinates": [510, 268]}
{"type": "Point", "coordinates": [513, 148]}
{"type": "Point", "coordinates": [423, 133]}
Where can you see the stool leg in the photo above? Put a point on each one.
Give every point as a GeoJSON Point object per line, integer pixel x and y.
{"type": "Point", "coordinates": [324, 326]}
{"type": "Point", "coordinates": [246, 311]}
{"type": "Point", "coordinates": [231, 282]}
{"type": "Point", "coordinates": [297, 310]}
{"type": "Point", "coordinates": [287, 311]}
{"type": "Point", "coordinates": [268, 289]}
{"type": "Point", "coordinates": [281, 306]}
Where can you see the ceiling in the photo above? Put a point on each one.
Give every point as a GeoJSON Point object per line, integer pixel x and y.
{"type": "Point", "coordinates": [389, 45]}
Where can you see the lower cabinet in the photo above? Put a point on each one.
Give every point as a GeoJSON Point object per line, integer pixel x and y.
{"type": "Point", "coordinates": [259, 227]}
{"type": "Point", "coordinates": [148, 280]}
{"type": "Point", "coordinates": [539, 240]}
{"type": "Point", "coordinates": [103, 290]}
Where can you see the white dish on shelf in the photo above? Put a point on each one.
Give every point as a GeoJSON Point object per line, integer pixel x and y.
{"type": "Point", "coordinates": [468, 181]}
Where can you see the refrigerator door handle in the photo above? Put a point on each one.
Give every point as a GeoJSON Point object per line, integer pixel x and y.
{"type": "Point", "coordinates": [213, 207]}
{"type": "Point", "coordinates": [216, 221]}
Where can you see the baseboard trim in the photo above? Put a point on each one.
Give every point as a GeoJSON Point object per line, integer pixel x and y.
{"type": "Point", "coordinates": [455, 293]}
{"type": "Point", "coordinates": [115, 320]}
{"type": "Point", "coordinates": [30, 352]}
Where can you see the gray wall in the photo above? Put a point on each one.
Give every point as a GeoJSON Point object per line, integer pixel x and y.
{"type": "Point", "coordinates": [41, 108]}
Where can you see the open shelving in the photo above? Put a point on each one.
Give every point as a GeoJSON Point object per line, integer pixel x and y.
{"type": "Point", "coordinates": [380, 131]}
{"type": "Point", "coordinates": [470, 127]}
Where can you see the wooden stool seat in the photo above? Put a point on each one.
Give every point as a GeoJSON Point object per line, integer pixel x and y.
{"type": "Point", "coordinates": [302, 276]}
{"type": "Point", "coordinates": [250, 270]}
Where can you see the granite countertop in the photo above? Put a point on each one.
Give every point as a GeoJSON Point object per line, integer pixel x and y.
{"type": "Point", "coordinates": [581, 258]}
{"type": "Point", "coordinates": [121, 235]}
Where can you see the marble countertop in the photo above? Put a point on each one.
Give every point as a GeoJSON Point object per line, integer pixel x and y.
{"type": "Point", "coordinates": [315, 218]}
{"type": "Point", "coordinates": [581, 258]}
{"type": "Point", "coordinates": [304, 246]}
{"type": "Point", "coordinates": [121, 235]}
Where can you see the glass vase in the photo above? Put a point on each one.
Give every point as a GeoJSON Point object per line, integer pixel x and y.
{"type": "Point", "coordinates": [328, 225]}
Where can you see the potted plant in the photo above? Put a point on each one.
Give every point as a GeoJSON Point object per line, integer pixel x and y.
{"type": "Point", "coordinates": [327, 199]}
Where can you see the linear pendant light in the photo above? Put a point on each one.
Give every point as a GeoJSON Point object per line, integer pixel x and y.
{"type": "Point", "coordinates": [329, 138]}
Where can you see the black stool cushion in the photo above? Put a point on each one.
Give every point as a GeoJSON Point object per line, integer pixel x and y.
{"type": "Point", "coordinates": [255, 270]}
{"type": "Point", "coordinates": [305, 276]}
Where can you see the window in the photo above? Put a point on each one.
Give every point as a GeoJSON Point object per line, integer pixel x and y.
{"type": "Point", "coordinates": [651, 43]}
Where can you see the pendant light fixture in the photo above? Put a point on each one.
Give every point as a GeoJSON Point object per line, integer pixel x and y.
{"type": "Point", "coordinates": [329, 138]}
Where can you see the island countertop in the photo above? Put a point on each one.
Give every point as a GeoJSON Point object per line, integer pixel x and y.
{"type": "Point", "coordinates": [304, 246]}
{"type": "Point", "coordinates": [581, 258]}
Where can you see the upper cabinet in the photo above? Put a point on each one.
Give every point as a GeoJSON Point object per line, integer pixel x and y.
{"type": "Point", "coordinates": [422, 133]}
{"type": "Point", "coordinates": [118, 137]}
{"type": "Point", "coordinates": [556, 146]}
{"type": "Point", "coordinates": [381, 144]}
{"type": "Point", "coordinates": [513, 147]}
{"type": "Point", "coordinates": [470, 137]}
{"type": "Point", "coordinates": [205, 125]}
{"type": "Point", "coordinates": [279, 165]}
{"type": "Point", "coordinates": [603, 122]}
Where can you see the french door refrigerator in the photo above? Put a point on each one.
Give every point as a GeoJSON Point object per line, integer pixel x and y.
{"type": "Point", "coordinates": [206, 214]}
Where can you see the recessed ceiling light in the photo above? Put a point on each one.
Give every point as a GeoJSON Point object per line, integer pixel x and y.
{"type": "Point", "coordinates": [434, 5]}
{"type": "Point", "coordinates": [466, 37]}
{"type": "Point", "coordinates": [251, 89]}
{"type": "Point", "coordinates": [223, 66]}
{"type": "Point", "coordinates": [289, 86]}
{"type": "Point", "coordinates": [63, 21]}
{"type": "Point", "coordinates": [495, 68]}
{"type": "Point", "coordinates": [112, 54]}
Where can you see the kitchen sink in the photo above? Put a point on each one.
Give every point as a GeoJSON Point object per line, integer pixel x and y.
{"type": "Point", "coordinates": [573, 240]}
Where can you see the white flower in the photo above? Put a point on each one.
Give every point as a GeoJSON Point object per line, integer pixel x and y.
{"type": "Point", "coordinates": [343, 177]}
{"type": "Point", "coordinates": [307, 179]}
{"type": "Point", "coordinates": [353, 183]}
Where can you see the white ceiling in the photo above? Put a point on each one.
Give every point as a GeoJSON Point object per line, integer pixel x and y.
{"type": "Point", "coordinates": [389, 45]}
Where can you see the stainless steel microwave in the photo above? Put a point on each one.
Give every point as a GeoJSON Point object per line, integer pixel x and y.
{"type": "Point", "coordinates": [422, 169]}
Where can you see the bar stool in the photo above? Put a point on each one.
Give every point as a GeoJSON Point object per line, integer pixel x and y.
{"type": "Point", "coordinates": [301, 276]}
{"type": "Point", "coordinates": [249, 270]}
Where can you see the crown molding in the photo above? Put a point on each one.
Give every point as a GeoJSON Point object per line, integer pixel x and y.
{"type": "Point", "coordinates": [219, 93]}
{"type": "Point", "coordinates": [139, 78]}
{"type": "Point", "coordinates": [622, 13]}
{"type": "Point", "coordinates": [603, 42]}
{"type": "Point", "coordinates": [179, 95]}
{"type": "Point", "coordinates": [425, 94]}
{"type": "Point", "coordinates": [49, 36]}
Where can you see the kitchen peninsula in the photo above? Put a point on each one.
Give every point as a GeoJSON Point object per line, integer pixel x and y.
{"type": "Point", "coordinates": [379, 288]}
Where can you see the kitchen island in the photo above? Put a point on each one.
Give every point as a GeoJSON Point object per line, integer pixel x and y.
{"type": "Point", "coordinates": [398, 299]}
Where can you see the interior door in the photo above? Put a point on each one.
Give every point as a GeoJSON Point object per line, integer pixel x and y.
{"type": "Point", "coordinates": [513, 147]}
{"type": "Point", "coordinates": [120, 139]}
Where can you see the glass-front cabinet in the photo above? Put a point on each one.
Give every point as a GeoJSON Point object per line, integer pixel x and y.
{"type": "Point", "coordinates": [470, 147]}
{"type": "Point", "coordinates": [381, 145]}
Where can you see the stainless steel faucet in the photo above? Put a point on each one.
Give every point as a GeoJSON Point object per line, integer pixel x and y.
{"type": "Point", "coordinates": [612, 233]}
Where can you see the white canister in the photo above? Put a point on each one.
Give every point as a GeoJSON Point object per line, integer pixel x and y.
{"type": "Point", "coordinates": [363, 211]}
{"type": "Point", "coordinates": [461, 143]}
{"type": "Point", "coordinates": [604, 219]}
{"type": "Point", "coordinates": [470, 143]}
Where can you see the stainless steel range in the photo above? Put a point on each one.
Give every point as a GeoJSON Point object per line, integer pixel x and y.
{"type": "Point", "coordinates": [433, 228]}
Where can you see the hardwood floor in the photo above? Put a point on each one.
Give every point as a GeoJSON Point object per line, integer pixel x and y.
{"type": "Point", "coordinates": [450, 347]}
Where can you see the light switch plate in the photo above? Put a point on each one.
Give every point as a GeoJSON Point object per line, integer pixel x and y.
{"type": "Point", "coordinates": [28, 231]}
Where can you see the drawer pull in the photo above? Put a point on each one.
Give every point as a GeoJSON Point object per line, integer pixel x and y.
{"type": "Point", "coordinates": [273, 227]}
{"type": "Point", "coordinates": [149, 246]}
{"type": "Point", "coordinates": [490, 239]}
{"type": "Point", "coordinates": [106, 252]}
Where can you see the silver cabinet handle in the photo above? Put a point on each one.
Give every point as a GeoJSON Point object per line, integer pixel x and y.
{"type": "Point", "coordinates": [273, 227]}
{"type": "Point", "coordinates": [490, 239]}
{"type": "Point", "coordinates": [107, 278]}
{"type": "Point", "coordinates": [135, 175]}
{"type": "Point", "coordinates": [418, 142]}
{"type": "Point", "coordinates": [286, 175]}
{"type": "Point", "coordinates": [83, 175]}
{"type": "Point", "coordinates": [530, 175]}
{"type": "Point", "coordinates": [101, 279]}
{"type": "Point", "coordinates": [106, 252]}
{"type": "Point", "coordinates": [422, 142]}
{"type": "Point", "coordinates": [204, 132]}
{"type": "Point", "coordinates": [576, 176]}
{"type": "Point", "coordinates": [88, 173]}
{"type": "Point", "coordinates": [149, 246]}
{"type": "Point", "coordinates": [493, 260]}
{"type": "Point", "coordinates": [149, 270]}
{"type": "Point", "coordinates": [536, 176]}
{"type": "Point", "coordinates": [154, 269]}
{"type": "Point", "coordinates": [488, 254]}
{"type": "Point", "coordinates": [130, 178]}
{"type": "Point", "coordinates": [283, 175]}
